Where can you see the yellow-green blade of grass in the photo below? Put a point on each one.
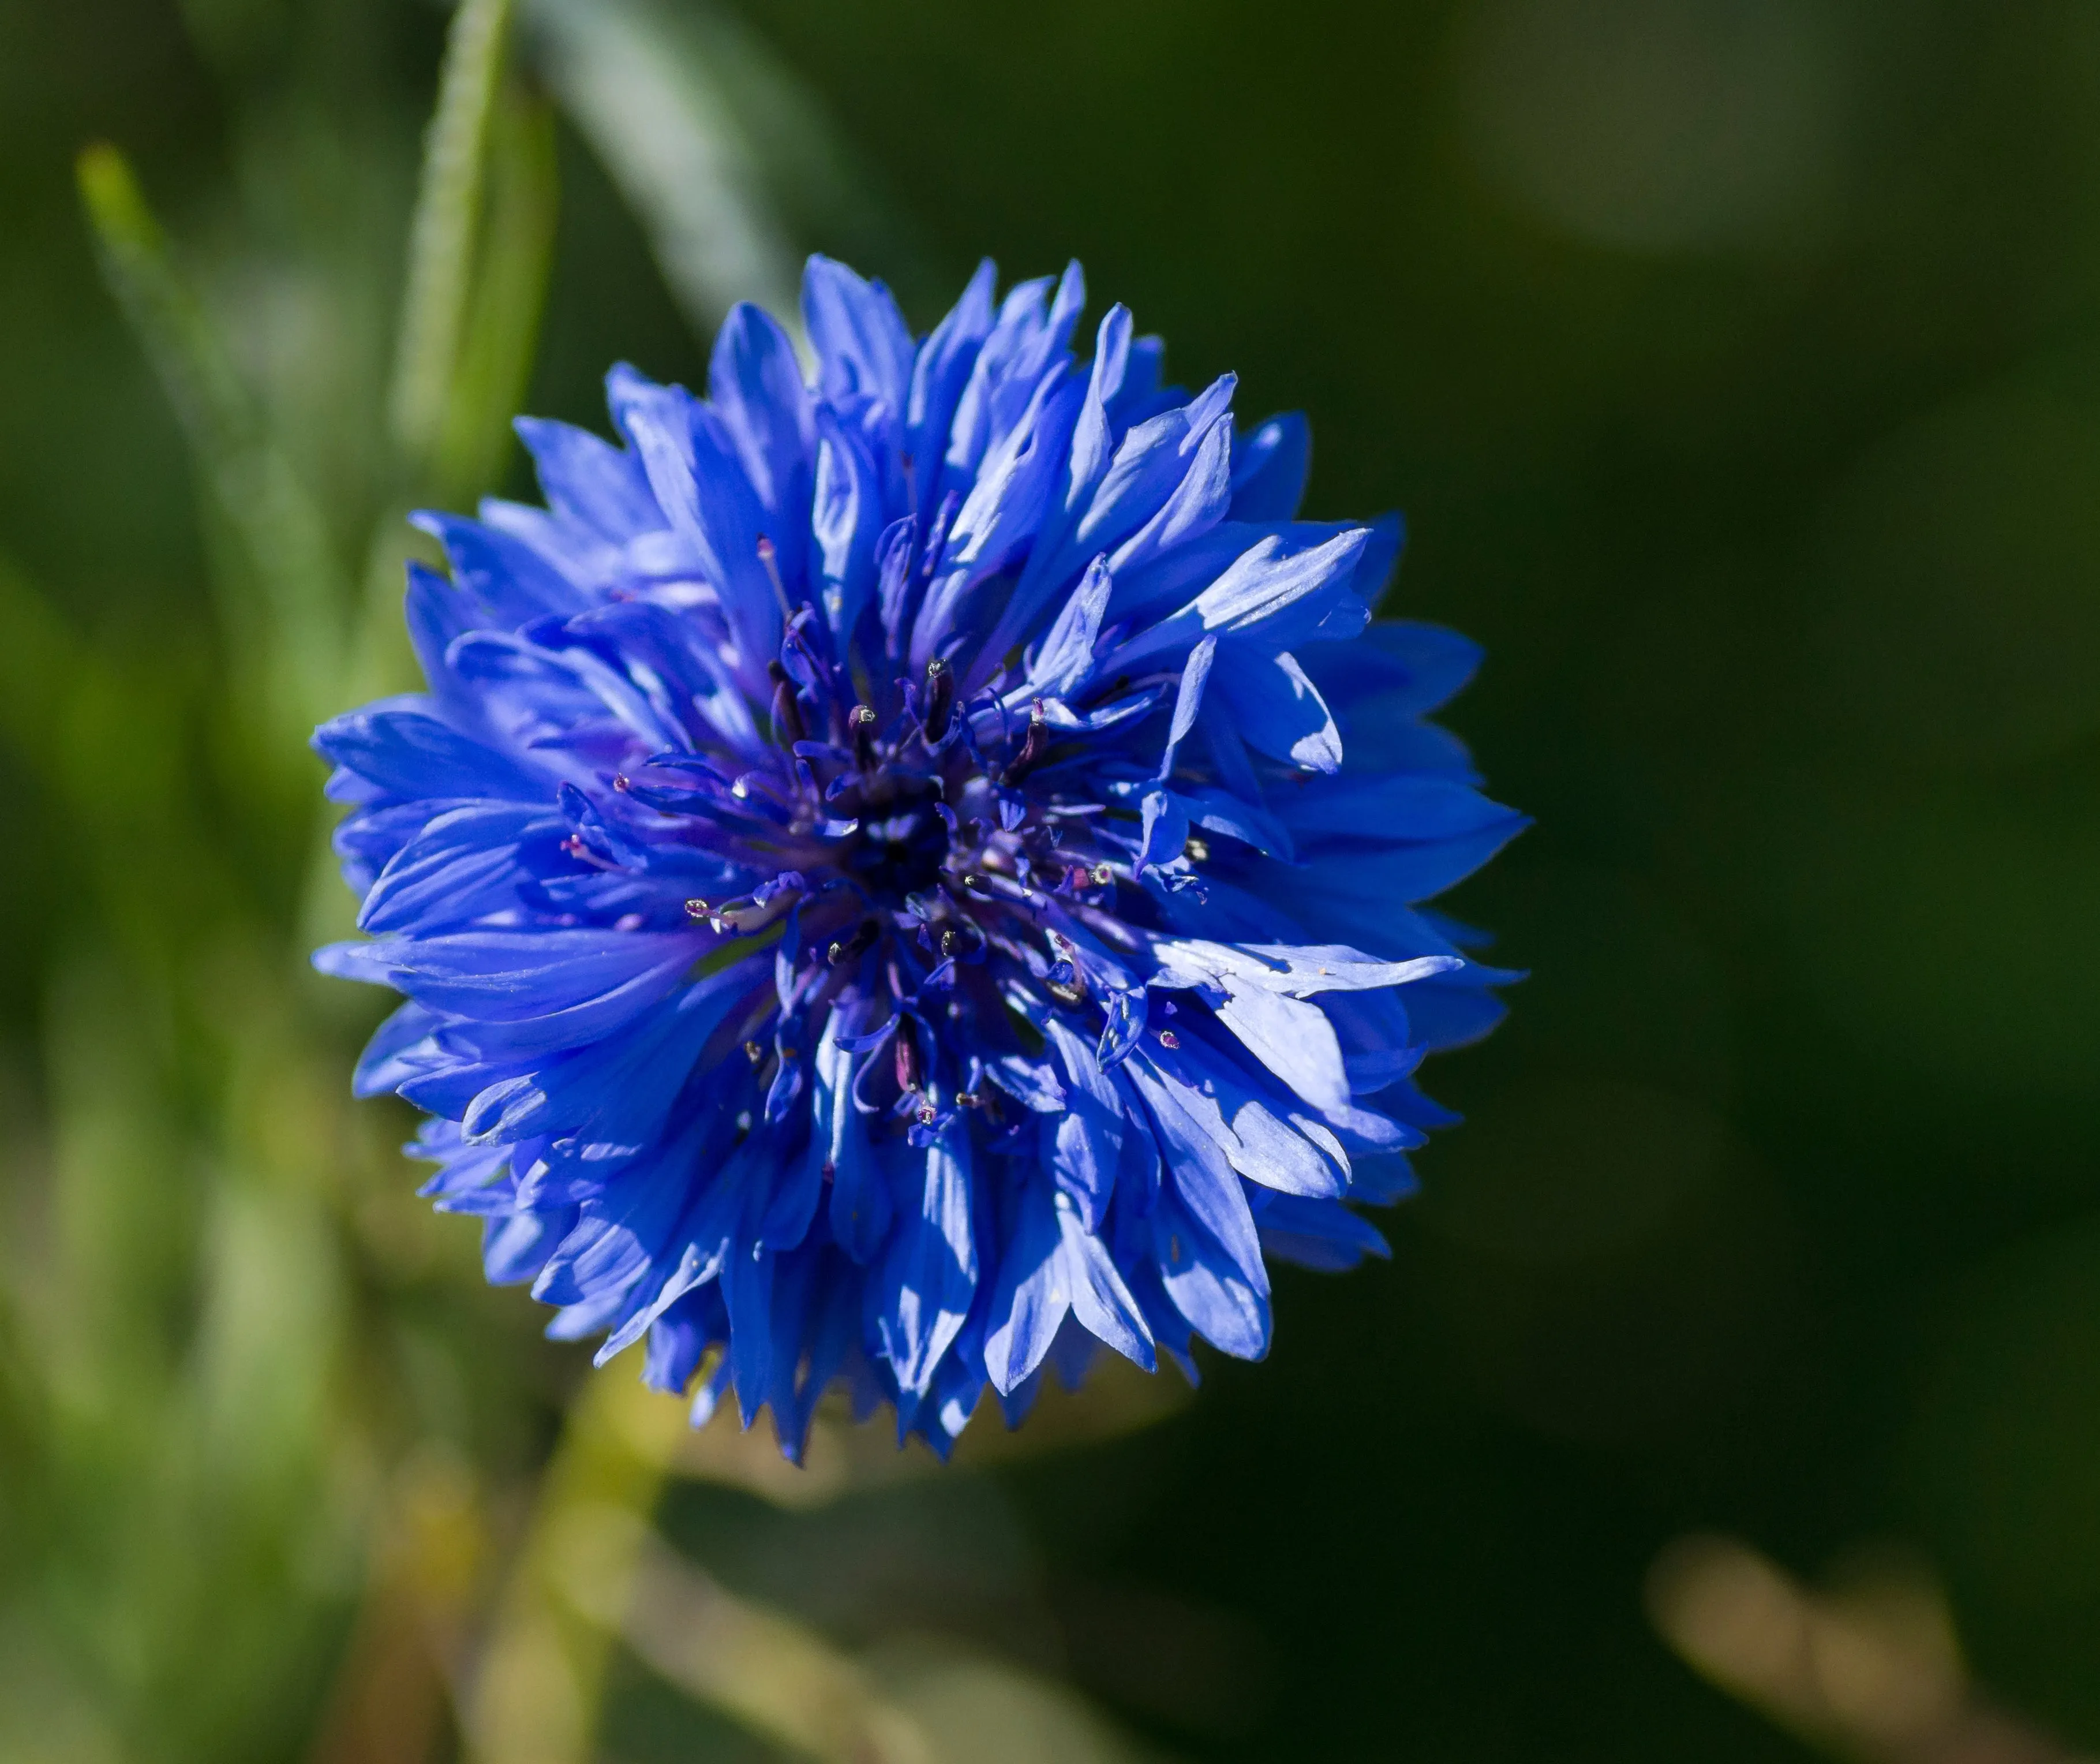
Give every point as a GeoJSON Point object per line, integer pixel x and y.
{"type": "Point", "coordinates": [508, 295]}
{"type": "Point", "coordinates": [442, 236]}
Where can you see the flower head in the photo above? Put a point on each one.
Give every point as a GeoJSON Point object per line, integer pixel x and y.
{"type": "Point", "coordinates": [905, 877]}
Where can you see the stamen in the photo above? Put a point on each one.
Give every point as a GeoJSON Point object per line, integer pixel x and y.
{"type": "Point", "coordinates": [1168, 1039]}
{"type": "Point", "coordinates": [696, 908]}
{"type": "Point", "coordinates": [1071, 993]}
{"type": "Point", "coordinates": [769, 559]}
{"type": "Point", "coordinates": [911, 1070]}
{"type": "Point", "coordinates": [849, 949]}
{"type": "Point", "coordinates": [1031, 745]}
{"type": "Point", "coordinates": [753, 1052]}
{"type": "Point", "coordinates": [788, 726]}
{"type": "Point", "coordinates": [862, 724]}
{"type": "Point", "coordinates": [747, 914]}
{"type": "Point", "coordinates": [940, 699]}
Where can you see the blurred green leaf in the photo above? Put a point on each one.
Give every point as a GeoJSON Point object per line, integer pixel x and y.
{"type": "Point", "coordinates": [297, 580]}
{"type": "Point", "coordinates": [508, 289]}
{"type": "Point", "coordinates": [442, 236]}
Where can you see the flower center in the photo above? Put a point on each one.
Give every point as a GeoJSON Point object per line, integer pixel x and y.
{"type": "Point", "coordinates": [902, 846]}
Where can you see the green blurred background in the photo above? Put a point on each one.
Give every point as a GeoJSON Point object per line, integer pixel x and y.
{"type": "Point", "coordinates": [1737, 364]}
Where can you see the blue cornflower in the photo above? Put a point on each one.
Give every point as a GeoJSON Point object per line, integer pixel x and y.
{"type": "Point", "coordinates": [903, 877]}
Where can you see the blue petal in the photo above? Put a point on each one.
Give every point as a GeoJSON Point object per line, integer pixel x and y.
{"type": "Point", "coordinates": [1198, 1169]}
{"type": "Point", "coordinates": [698, 482]}
{"type": "Point", "coordinates": [1195, 506]}
{"type": "Point", "coordinates": [747, 1284]}
{"type": "Point", "coordinates": [513, 976]}
{"type": "Point", "coordinates": [1064, 660]}
{"type": "Point", "coordinates": [1277, 710]}
{"type": "Point", "coordinates": [410, 753]}
{"type": "Point", "coordinates": [514, 1249]}
{"type": "Point", "coordinates": [1281, 594]}
{"type": "Point", "coordinates": [861, 342]}
{"type": "Point", "coordinates": [512, 580]}
{"type": "Point", "coordinates": [755, 384]}
{"type": "Point", "coordinates": [1207, 1285]}
{"type": "Point", "coordinates": [1188, 700]}
{"type": "Point", "coordinates": [1412, 668]}
{"type": "Point", "coordinates": [1099, 1300]}
{"type": "Point", "coordinates": [1155, 460]}
{"type": "Point", "coordinates": [1318, 1234]}
{"type": "Point", "coordinates": [464, 865]}
{"type": "Point", "coordinates": [848, 521]}
{"type": "Point", "coordinates": [1270, 467]}
{"type": "Point", "coordinates": [1125, 1010]}
{"type": "Point", "coordinates": [945, 364]}
{"type": "Point", "coordinates": [1029, 1300]}
{"type": "Point", "coordinates": [1394, 808]}
{"type": "Point", "coordinates": [391, 1055]}
{"type": "Point", "coordinates": [614, 1241]}
{"type": "Point", "coordinates": [589, 481]}
{"type": "Point", "coordinates": [1166, 830]}
{"type": "Point", "coordinates": [922, 1291]}
{"type": "Point", "coordinates": [1083, 1145]}
{"type": "Point", "coordinates": [1290, 1038]}
{"type": "Point", "coordinates": [859, 1207]}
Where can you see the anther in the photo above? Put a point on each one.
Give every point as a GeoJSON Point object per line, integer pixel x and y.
{"type": "Point", "coordinates": [940, 698]}
{"type": "Point", "coordinates": [928, 1115]}
{"type": "Point", "coordinates": [1103, 875]}
{"type": "Point", "coordinates": [753, 1052]}
{"type": "Point", "coordinates": [696, 908]}
{"type": "Point", "coordinates": [966, 1099]}
{"type": "Point", "coordinates": [863, 724]}
{"type": "Point", "coordinates": [1198, 850]}
{"type": "Point", "coordinates": [847, 949]}
{"type": "Point", "coordinates": [911, 1073]}
{"type": "Point", "coordinates": [1032, 744]}
{"type": "Point", "coordinates": [788, 726]}
{"type": "Point", "coordinates": [1169, 1039]}
{"type": "Point", "coordinates": [621, 782]}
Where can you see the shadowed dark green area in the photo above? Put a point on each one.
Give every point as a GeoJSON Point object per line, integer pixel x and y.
{"type": "Point", "coordinates": [1738, 369]}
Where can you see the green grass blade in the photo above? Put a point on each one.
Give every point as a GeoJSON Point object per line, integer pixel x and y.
{"type": "Point", "coordinates": [297, 582]}
{"type": "Point", "coordinates": [443, 237]}
{"type": "Point", "coordinates": [636, 76]}
{"type": "Point", "coordinates": [509, 292]}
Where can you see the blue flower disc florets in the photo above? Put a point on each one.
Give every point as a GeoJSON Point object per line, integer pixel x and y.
{"type": "Point", "coordinates": [904, 877]}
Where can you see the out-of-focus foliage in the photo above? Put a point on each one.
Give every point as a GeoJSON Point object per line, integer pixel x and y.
{"type": "Point", "coordinates": [1734, 361]}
